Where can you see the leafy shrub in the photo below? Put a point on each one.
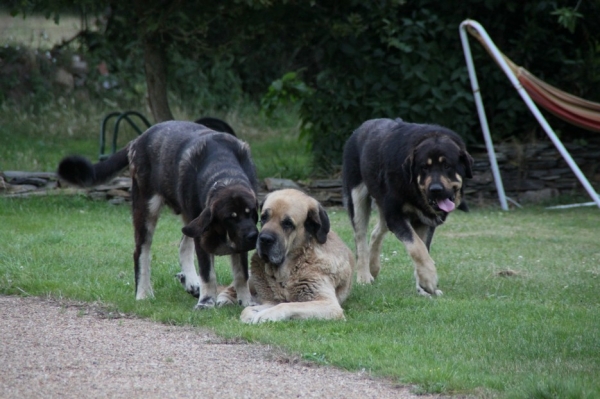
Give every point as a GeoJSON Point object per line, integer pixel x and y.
{"type": "Point", "coordinates": [26, 76]}
{"type": "Point", "coordinates": [399, 58]}
{"type": "Point", "coordinates": [405, 59]}
{"type": "Point", "coordinates": [356, 60]}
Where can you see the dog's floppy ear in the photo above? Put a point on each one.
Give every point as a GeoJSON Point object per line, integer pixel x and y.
{"type": "Point", "coordinates": [198, 226]}
{"type": "Point", "coordinates": [467, 160]}
{"type": "Point", "coordinates": [317, 223]}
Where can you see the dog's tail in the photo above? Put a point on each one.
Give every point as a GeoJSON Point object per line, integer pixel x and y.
{"type": "Point", "coordinates": [80, 171]}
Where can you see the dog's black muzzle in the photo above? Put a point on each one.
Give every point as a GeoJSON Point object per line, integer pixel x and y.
{"type": "Point", "coordinates": [440, 198]}
{"type": "Point", "coordinates": [269, 249]}
{"type": "Point", "coordinates": [249, 240]}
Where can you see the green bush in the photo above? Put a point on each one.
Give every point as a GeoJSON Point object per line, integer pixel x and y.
{"type": "Point", "coordinates": [25, 76]}
{"type": "Point", "coordinates": [355, 60]}
{"type": "Point", "coordinates": [405, 59]}
{"type": "Point", "coordinates": [360, 60]}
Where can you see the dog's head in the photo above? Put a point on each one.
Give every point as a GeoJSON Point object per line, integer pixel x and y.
{"type": "Point", "coordinates": [438, 164]}
{"type": "Point", "coordinates": [290, 219]}
{"type": "Point", "coordinates": [228, 223]}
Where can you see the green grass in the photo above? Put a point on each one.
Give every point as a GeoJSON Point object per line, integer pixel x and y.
{"type": "Point", "coordinates": [533, 334]}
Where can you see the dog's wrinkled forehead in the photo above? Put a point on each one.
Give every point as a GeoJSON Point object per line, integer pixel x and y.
{"type": "Point", "coordinates": [286, 204]}
{"type": "Point", "coordinates": [234, 203]}
{"type": "Point", "coordinates": [437, 150]}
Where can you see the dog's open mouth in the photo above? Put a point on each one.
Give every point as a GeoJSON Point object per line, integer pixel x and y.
{"type": "Point", "coordinates": [446, 204]}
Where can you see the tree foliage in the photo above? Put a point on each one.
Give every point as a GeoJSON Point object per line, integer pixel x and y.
{"type": "Point", "coordinates": [159, 38]}
{"type": "Point", "coordinates": [350, 61]}
{"type": "Point", "coordinates": [404, 59]}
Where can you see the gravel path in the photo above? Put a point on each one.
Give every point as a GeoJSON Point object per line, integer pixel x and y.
{"type": "Point", "coordinates": [52, 349]}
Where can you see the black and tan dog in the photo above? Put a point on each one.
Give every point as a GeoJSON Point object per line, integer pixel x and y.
{"type": "Point", "coordinates": [415, 175]}
{"type": "Point", "coordinates": [301, 269]}
{"type": "Point", "coordinates": [208, 178]}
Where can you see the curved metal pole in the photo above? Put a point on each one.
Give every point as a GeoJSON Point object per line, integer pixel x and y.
{"type": "Point", "coordinates": [499, 58]}
{"type": "Point", "coordinates": [482, 117]}
{"type": "Point", "coordinates": [102, 156]}
{"type": "Point", "coordinates": [125, 115]}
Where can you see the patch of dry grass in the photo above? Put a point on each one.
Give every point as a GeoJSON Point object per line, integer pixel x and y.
{"type": "Point", "coordinates": [36, 31]}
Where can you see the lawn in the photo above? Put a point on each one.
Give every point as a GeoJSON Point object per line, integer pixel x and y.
{"type": "Point", "coordinates": [519, 316]}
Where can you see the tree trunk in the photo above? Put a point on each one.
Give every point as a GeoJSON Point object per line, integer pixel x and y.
{"type": "Point", "coordinates": [155, 61]}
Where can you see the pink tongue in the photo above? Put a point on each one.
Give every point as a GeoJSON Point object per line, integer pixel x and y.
{"type": "Point", "coordinates": [445, 205]}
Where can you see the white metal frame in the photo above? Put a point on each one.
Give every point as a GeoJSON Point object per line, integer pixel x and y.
{"type": "Point", "coordinates": [499, 58]}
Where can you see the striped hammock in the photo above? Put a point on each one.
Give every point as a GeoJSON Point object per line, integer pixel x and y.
{"type": "Point", "coordinates": [572, 109]}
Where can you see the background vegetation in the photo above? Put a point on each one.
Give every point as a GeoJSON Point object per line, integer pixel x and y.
{"type": "Point", "coordinates": [343, 62]}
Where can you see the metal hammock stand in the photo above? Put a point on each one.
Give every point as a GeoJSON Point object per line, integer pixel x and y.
{"type": "Point", "coordinates": [572, 109]}
{"type": "Point", "coordinates": [126, 116]}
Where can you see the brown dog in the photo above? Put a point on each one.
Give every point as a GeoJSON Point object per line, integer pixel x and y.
{"type": "Point", "coordinates": [301, 269]}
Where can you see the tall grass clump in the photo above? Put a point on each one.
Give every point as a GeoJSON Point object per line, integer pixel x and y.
{"type": "Point", "coordinates": [36, 141]}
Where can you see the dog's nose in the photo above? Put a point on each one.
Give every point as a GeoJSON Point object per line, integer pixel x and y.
{"type": "Point", "coordinates": [266, 239]}
{"type": "Point", "coordinates": [251, 237]}
{"type": "Point", "coordinates": [436, 188]}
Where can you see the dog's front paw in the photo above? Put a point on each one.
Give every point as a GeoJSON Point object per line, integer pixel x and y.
{"type": "Point", "coordinates": [252, 302]}
{"type": "Point", "coordinates": [206, 302]}
{"type": "Point", "coordinates": [249, 314]}
{"type": "Point", "coordinates": [144, 290]}
{"type": "Point", "coordinates": [427, 279]}
{"type": "Point", "coordinates": [422, 291]}
{"type": "Point", "coordinates": [245, 299]}
{"type": "Point", "coordinates": [262, 313]}
{"type": "Point", "coordinates": [364, 278]}
{"type": "Point", "coordinates": [191, 287]}
{"type": "Point", "coordinates": [226, 297]}
{"type": "Point", "coordinates": [144, 294]}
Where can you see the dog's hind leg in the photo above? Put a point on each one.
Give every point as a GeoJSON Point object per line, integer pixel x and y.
{"type": "Point", "coordinates": [375, 246]}
{"type": "Point", "coordinates": [208, 278]}
{"type": "Point", "coordinates": [239, 267]}
{"type": "Point", "coordinates": [361, 209]}
{"type": "Point", "coordinates": [145, 216]}
{"type": "Point", "coordinates": [188, 276]}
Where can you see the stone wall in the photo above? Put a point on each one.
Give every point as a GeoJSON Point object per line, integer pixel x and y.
{"type": "Point", "coordinates": [530, 173]}
{"type": "Point", "coordinates": [533, 172]}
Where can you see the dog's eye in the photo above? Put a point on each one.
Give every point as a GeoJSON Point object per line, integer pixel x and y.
{"type": "Point", "coordinates": [445, 165]}
{"type": "Point", "coordinates": [263, 219]}
{"type": "Point", "coordinates": [287, 224]}
{"type": "Point", "coordinates": [234, 215]}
